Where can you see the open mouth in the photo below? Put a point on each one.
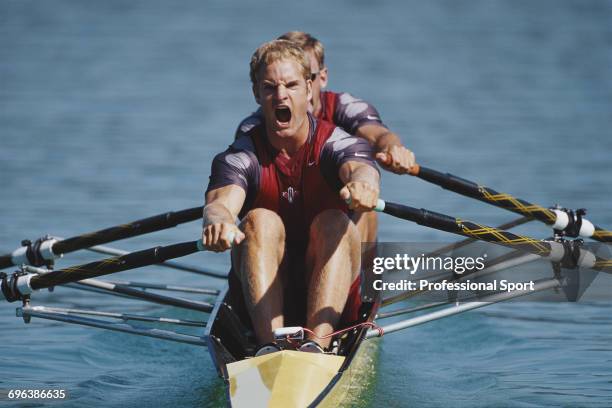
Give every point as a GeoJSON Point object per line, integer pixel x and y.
{"type": "Point", "coordinates": [283, 114]}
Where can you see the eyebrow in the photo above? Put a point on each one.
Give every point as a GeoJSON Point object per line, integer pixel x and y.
{"type": "Point", "coordinates": [287, 83]}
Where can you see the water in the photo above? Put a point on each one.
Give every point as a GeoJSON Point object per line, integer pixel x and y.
{"type": "Point", "coordinates": [112, 111]}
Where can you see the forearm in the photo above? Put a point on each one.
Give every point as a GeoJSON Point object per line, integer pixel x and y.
{"type": "Point", "coordinates": [379, 137]}
{"type": "Point", "coordinates": [361, 173]}
{"type": "Point", "coordinates": [217, 213]}
{"type": "Point", "coordinates": [361, 187]}
{"type": "Point", "coordinates": [390, 152]}
{"type": "Point", "coordinates": [358, 172]}
{"type": "Point", "coordinates": [385, 141]}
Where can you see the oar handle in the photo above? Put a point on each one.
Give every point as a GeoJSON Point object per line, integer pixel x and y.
{"type": "Point", "coordinates": [413, 170]}
{"type": "Point", "coordinates": [231, 236]}
{"type": "Point", "coordinates": [380, 205]}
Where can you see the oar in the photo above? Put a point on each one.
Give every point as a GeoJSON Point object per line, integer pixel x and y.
{"type": "Point", "coordinates": [48, 249]}
{"type": "Point", "coordinates": [17, 286]}
{"type": "Point", "coordinates": [573, 224]}
{"type": "Point", "coordinates": [460, 244]}
{"type": "Point", "coordinates": [539, 286]}
{"type": "Point", "coordinates": [554, 251]}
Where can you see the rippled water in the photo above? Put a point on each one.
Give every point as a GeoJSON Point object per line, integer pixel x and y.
{"type": "Point", "coordinates": [112, 111]}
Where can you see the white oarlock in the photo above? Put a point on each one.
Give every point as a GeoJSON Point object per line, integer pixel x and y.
{"type": "Point", "coordinates": [23, 284]}
{"type": "Point", "coordinates": [18, 256]}
{"type": "Point", "coordinates": [586, 259]}
{"type": "Point", "coordinates": [562, 220]}
{"type": "Point", "coordinates": [587, 229]}
{"type": "Point", "coordinates": [557, 251]}
{"type": "Point", "coordinates": [46, 249]}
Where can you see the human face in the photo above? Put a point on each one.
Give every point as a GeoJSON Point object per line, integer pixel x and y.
{"type": "Point", "coordinates": [284, 95]}
{"type": "Point", "coordinates": [318, 83]}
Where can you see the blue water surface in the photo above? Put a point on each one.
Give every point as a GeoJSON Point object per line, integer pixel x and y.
{"type": "Point", "coordinates": [112, 111]}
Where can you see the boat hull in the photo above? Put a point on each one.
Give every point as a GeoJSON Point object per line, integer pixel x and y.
{"type": "Point", "coordinates": [286, 378]}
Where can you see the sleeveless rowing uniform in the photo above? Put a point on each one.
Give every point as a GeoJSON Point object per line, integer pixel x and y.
{"type": "Point", "coordinates": [342, 109]}
{"type": "Point", "coordinates": [297, 189]}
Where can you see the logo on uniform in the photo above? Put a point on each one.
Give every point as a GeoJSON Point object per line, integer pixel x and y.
{"type": "Point", "coordinates": [290, 195]}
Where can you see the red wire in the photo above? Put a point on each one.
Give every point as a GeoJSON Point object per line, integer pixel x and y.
{"type": "Point", "coordinates": [380, 330]}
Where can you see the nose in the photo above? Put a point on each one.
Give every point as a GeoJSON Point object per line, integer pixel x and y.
{"type": "Point", "coordinates": [281, 92]}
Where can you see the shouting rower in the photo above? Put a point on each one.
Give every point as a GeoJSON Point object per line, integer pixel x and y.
{"type": "Point", "coordinates": [352, 114]}
{"type": "Point", "coordinates": [296, 252]}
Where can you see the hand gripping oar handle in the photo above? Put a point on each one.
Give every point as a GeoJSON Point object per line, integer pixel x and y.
{"type": "Point", "coordinates": [571, 223]}
{"type": "Point", "coordinates": [18, 285]}
{"type": "Point", "coordinates": [231, 236]}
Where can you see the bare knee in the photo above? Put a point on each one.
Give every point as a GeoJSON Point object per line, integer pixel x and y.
{"type": "Point", "coordinates": [333, 225]}
{"type": "Point", "coordinates": [264, 244]}
{"type": "Point", "coordinates": [261, 225]}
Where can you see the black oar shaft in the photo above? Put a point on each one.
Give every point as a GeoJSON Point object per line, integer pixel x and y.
{"type": "Point", "coordinates": [470, 189]}
{"type": "Point", "coordinates": [139, 227]}
{"type": "Point", "coordinates": [503, 200]}
{"type": "Point", "coordinates": [118, 232]}
{"type": "Point", "coordinates": [467, 228]}
{"type": "Point", "coordinates": [6, 261]}
{"type": "Point", "coordinates": [456, 245]}
{"type": "Point", "coordinates": [111, 265]}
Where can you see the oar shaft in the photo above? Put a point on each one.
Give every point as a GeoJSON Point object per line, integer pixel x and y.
{"type": "Point", "coordinates": [51, 249]}
{"type": "Point", "coordinates": [466, 228]}
{"type": "Point", "coordinates": [470, 189]}
{"type": "Point", "coordinates": [464, 307]}
{"type": "Point", "coordinates": [111, 265]}
{"type": "Point", "coordinates": [558, 219]}
{"type": "Point", "coordinates": [118, 232]}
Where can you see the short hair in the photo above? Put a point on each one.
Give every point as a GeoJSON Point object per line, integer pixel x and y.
{"type": "Point", "coordinates": [276, 50]}
{"type": "Point", "coordinates": [308, 43]}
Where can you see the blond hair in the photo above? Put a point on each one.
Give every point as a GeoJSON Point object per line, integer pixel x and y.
{"type": "Point", "coordinates": [308, 43]}
{"type": "Point", "coordinates": [276, 50]}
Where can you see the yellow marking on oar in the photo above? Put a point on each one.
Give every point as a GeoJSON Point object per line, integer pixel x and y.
{"type": "Point", "coordinates": [606, 264]}
{"type": "Point", "coordinates": [602, 234]}
{"type": "Point", "coordinates": [501, 237]}
{"type": "Point", "coordinates": [525, 209]}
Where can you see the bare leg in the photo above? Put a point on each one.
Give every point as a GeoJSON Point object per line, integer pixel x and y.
{"type": "Point", "coordinates": [367, 224]}
{"type": "Point", "coordinates": [333, 262]}
{"type": "Point", "coordinates": [258, 265]}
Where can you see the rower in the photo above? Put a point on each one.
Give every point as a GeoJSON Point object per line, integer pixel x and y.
{"type": "Point", "coordinates": [296, 254]}
{"type": "Point", "coordinates": [352, 114]}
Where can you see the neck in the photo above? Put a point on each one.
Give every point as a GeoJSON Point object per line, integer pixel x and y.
{"type": "Point", "coordinates": [291, 144]}
{"type": "Point", "coordinates": [316, 107]}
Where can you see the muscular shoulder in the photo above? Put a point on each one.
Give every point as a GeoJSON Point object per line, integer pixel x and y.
{"type": "Point", "coordinates": [237, 165]}
{"type": "Point", "coordinates": [351, 113]}
{"type": "Point", "coordinates": [342, 146]}
{"type": "Point", "coordinates": [248, 123]}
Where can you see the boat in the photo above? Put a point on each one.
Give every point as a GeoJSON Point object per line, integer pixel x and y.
{"type": "Point", "coordinates": [288, 377]}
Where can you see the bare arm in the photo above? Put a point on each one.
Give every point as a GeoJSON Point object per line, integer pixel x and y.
{"type": "Point", "coordinates": [220, 213]}
{"type": "Point", "coordinates": [390, 153]}
{"type": "Point", "coordinates": [361, 185]}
